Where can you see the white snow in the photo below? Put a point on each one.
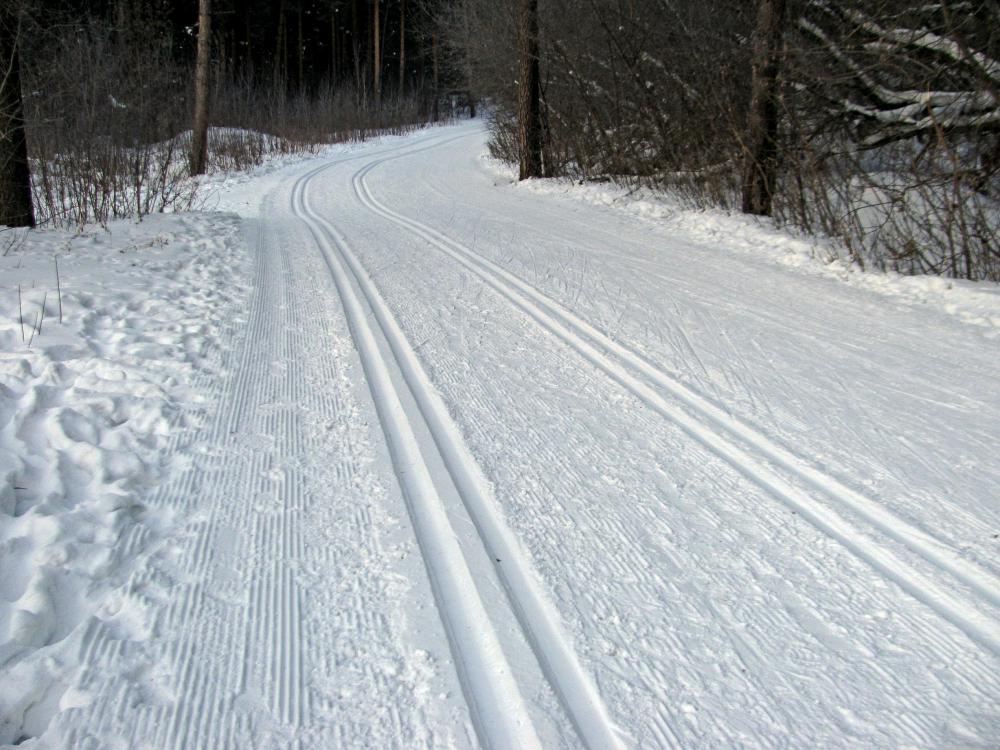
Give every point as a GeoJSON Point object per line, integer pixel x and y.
{"type": "Point", "coordinates": [976, 303]}
{"type": "Point", "coordinates": [385, 450]}
{"type": "Point", "coordinates": [94, 414]}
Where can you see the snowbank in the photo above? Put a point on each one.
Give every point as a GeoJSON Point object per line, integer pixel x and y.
{"type": "Point", "coordinates": [975, 303]}
{"type": "Point", "coordinates": [94, 410]}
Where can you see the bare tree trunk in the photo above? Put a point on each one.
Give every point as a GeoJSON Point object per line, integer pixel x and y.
{"type": "Point", "coordinates": [302, 52]}
{"type": "Point", "coordinates": [16, 208]}
{"type": "Point", "coordinates": [199, 140]}
{"type": "Point", "coordinates": [760, 166]}
{"type": "Point", "coordinates": [469, 77]}
{"type": "Point", "coordinates": [356, 48]}
{"type": "Point", "coordinates": [529, 94]}
{"type": "Point", "coordinates": [377, 59]}
{"type": "Point", "coordinates": [402, 48]}
{"type": "Point", "coordinates": [281, 54]}
{"type": "Point", "coordinates": [437, 89]}
{"type": "Point", "coordinates": [248, 52]}
{"type": "Point", "coordinates": [333, 44]}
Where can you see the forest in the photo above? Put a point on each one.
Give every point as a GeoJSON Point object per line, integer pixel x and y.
{"type": "Point", "coordinates": [520, 374]}
{"type": "Point", "coordinates": [873, 122]}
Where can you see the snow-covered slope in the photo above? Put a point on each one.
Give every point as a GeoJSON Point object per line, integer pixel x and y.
{"type": "Point", "coordinates": [429, 459]}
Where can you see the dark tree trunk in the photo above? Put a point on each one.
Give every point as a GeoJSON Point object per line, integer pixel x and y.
{"type": "Point", "coordinates": [377, 56]}
{"type": "Point", "coordinates": [301, 82]}
{"type": "Point", "coordinates": [356, 47]}
{"type": "Point", "coordinates": [199, 140]}
{"type": "Point", "coordinates": [529, 111]}
{"type": "Point", "coordinates": [437, 88]}
{"type": "Point", "coordinates": [281, 53]}
{"type": "Point", "coordinates": [333, 44]}
{"type": "Point", "coordinates": [15, 177]}
{"type": "Point", "coordinates": [469, 77]}
{"type": "Point", "coordinates": [402, 48]}
{"type": "Point", "coordinates": [760, 161]}
{"type": "Point", "coordinates": [248, 52]}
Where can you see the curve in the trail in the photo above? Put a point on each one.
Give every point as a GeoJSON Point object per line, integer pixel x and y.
{"type": "Point", "coordinates": [537, 617]}
{"type": "Point", "coordinates": [498, 710]}
{"type": "Point", "coordinates": [724, 434]}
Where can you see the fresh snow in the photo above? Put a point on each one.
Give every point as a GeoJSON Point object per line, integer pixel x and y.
{"type": "Point", "coordinates": [384, 449]}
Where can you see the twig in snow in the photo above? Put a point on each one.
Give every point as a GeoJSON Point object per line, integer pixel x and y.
{"type": "Point", "coordinates": [33, 331]}
{"type": "Point", "coordinates": [16, 239]}
{"type": "Point", "coordinates": [58, 288]}
{"type": "Point", "coordinates": [20, 312]}
{"type": "Point", "coordinates": [45, 298]}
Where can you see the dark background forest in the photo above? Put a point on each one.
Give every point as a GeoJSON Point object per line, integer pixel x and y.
{"type": "Point", "coordinates": [108, 94]}
{"type": "Point", "coordinates": [883, 116]}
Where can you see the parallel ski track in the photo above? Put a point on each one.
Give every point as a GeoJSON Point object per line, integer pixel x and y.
{"type": "Point", "coordinates": [734, 441]}
{"type": "Point", "coordinates": [499, 714]}
{"type": "Point", "coordinates": [537, 617]}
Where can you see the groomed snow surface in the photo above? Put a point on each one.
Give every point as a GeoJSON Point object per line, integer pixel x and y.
{"type": "Point", "coordinates": [381, 449]}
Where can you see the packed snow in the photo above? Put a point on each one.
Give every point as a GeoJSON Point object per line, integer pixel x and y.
{"type": "Point", "coordinates": [383, 449]}
{"type": "Point", "coordinates": [714, 229]}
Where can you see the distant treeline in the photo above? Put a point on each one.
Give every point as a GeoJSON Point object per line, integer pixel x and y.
{"type": "Point", "coordinates": [106, 89]}
{"type": "Point", "coordinates": [304, 44]}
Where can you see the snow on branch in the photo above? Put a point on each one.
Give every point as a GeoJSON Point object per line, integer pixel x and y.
{"type": "Point", "coordinates": [926, 39]}
{"type": "Point", "coordinates": [959, 92]}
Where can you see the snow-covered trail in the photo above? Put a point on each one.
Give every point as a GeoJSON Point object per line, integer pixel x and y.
{"type": "Point", "coordinates": [763, 504]}
{"type": "Point", "coordinates": [497, 468]}
{"type": "Point", "coordinates": [287, 611]}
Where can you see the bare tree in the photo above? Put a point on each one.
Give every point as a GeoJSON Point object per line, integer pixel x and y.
{"type": "Point", "coordinates": [895, 137]}
{"type": "Point", "coordinates": [333, 42]}
{"type": "Point", "coordinates": [760, 162]}
{"type": "Point", "coordinates": [908, 76]}
{"type": "Point", "coordinates": [199, 140]}
{"type": "Point", "coordinates": [529, 111]}
{"type": "Point", "coordinates": [16, 208]}
{"type": "Point", "coordinates": [402, 48]}
{"type": "Point", "coordinates": [281, 49]}
{"type": "Point", "coordinates": [436, 107]}
{"type": "Point", "coordinates": [377, 54]}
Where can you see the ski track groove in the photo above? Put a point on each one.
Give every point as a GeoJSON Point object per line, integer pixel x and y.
{"type": "Point", "coordinates": [272, 638]}
{"type": "Point", "coordinates": [723, 434]}
{"type": "Point", "coordinates": [812, 331]}
{"type": "Point", "coordinates": [494, 699]}
{"type": "Point", "coordinates": [259, 650]}
{"type": "Point", "coordinates": [624, 563]}
{"type": "Point", "coordinates": [537, 617]}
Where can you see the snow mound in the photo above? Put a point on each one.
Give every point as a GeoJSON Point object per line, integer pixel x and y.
{"type": "Point", "coordinates": [93, 412]}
